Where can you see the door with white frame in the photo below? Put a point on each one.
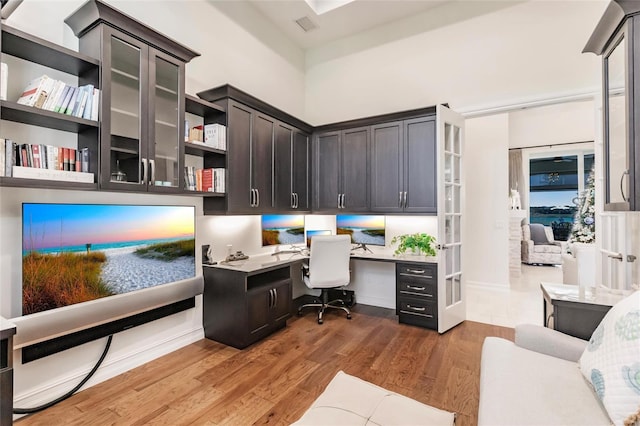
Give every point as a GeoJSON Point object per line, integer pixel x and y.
{"type": "Point", "coordinates": [452, 304]}
{"type": "Point", "coordinates": [616, 258]}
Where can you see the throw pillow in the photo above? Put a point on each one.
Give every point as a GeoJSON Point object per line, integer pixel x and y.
{"type": "Point", "coordinates": [538, 234]}
{"type": "Point", "coordinates": [611, 361]}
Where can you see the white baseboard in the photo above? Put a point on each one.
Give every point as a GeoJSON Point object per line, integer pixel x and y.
{"type": "Point", "coordinates": [110, 368]}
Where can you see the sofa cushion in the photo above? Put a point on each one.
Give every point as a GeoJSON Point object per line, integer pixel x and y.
{"type": "Point", "coordinates": [348, 400]}
{"type": "Point", "coordinates": [611, 361]}
{"type": "Point", "coordinates": [547, 249]}
{"type": "Point", "coordinates": [523, 387]}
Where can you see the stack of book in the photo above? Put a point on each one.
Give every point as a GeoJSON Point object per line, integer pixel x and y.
{"type": "Point", "coordinates": [213, 135]}
{"type": "Point", "coordinates": [54, 95]}
{"type": "Point", "coordinates": [205, 180]}
{"type": "Point", "coordinates": [31, 160]}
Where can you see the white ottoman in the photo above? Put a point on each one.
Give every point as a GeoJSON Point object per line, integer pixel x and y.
{"type": "Point", "coordinates": [348, 400]}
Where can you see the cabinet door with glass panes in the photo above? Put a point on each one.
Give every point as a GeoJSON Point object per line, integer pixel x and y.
{"type": "Point", "coordinates": [143, 118]}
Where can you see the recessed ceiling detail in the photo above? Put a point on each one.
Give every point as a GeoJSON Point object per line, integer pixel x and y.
{"type": "Point", "coordinates": [306, 24]}
{"type": "Point", "coordinates": [324, 6]}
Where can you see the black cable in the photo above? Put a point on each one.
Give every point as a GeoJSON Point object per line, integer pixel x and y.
{"type": "Point", "coordinates": [72, 391]}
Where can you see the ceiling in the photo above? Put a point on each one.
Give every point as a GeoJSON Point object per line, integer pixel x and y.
{"type": "Point", "coordinates": [350, 18]}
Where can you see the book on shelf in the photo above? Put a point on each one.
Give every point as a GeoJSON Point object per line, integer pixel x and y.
{"type": "Point", "coordinates": [32, 92]}
{"type": "Point", "coordinates": [205, 180]}
{"type": "Point", "coordinates": [86, 114]}
{"type": "Point", "coordinates": [41, 156]}
{"type": "Point", "coordinates": [2, 157]}
{"type": "Point", "coordinates": [10, 156]}
{"type": "Point", "coordinates": [215, 136]}
{"type": "Point", "coordinates": [63, 96]}
{"type": "Point", "coordinates": [47, 174]}
{"type": "Point", "coordinates": [4, 79]}
{"type": "Point", "coordinates": [95, 104]}
{"type": "Point", "coordinates": [52, 98]}
{"type": "Point", "coordinates": [196, 134]}
{"type": "Point", "coordinates": [72, 101]}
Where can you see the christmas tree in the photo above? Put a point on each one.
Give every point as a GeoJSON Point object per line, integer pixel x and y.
{"type": "Point", "coordinates": [584, 223]}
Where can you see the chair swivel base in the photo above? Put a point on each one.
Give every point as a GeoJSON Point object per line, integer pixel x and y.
{"type": "Point", "coordinates": [324, 306]}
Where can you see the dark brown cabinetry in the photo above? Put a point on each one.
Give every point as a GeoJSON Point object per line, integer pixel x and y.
{"type": "Point", "coordinates": [341, 170]}
{"type": "Point", "coordinates": [403, 166]}
{"type": "Point", "coordinates": [417, 294]}
{"type": "Point", "coordinates": [291, 169]}
{"type": "Point", "coordinates": [267, 155]}
{"type": "Point", "coordinates": [240, 308]}
{"type": "Point", "coordinates": [29, 48]}
{"type": "Point", "coordinates": [142, 102]}
{"type": "Point", "coordinates": [616, 39]}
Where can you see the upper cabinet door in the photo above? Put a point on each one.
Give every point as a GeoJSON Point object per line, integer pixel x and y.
{"type": "Point", "coordinates": [354, 165]}
{"type": "Point", "coordinates": [300, 175]}
{"type": "Point", "coordinates": [387, 167]}
{"type": "Point", "coordinates": [327, 171]}
{"type": "Point", "coordinates": [166, 119]}
{"type": "Point", "coordinates": [283, 168]}
{"type": "Point", "coordinates": [262, 160]}
{"type": "Point", "coordinates": [240, 194]}
{"type": "Point", "coordinates": [420, 166]}
{"type": "Point", "coordinates": [125, 71]}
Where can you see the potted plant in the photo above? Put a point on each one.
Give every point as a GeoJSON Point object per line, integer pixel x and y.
{"type": "Point", "coordinates": [419, 243]}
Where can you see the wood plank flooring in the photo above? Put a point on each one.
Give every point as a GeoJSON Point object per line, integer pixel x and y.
{"type": "Point", "coordinates": [274, 381]}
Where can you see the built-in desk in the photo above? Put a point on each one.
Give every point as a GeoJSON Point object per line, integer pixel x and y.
{"type": "Point", "coordinates": [575, 310]}
{"type": "Point", "coordinates": [246, 300]}
{"type": "Point", "coordinates": [7, 330]}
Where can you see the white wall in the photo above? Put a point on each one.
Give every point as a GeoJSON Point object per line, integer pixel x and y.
{"type": "Point", "coordinates": [530, 50]}
{"type": "Point", "coordinates": [486, 249]}
{"type": "Point", "coordinates": [258, 60]}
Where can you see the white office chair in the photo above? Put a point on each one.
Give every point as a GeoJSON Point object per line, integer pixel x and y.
{"type": "Point", "coordinates": [328, 268]}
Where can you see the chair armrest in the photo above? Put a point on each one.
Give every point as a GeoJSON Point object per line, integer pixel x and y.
{"type": "Point", "coordinates": [549, 342]}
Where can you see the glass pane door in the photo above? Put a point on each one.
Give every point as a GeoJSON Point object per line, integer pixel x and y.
{"type": "Point", "coordinates": [451, 293]}
{"type": "Point", "coordinates": [616, 156]}
{"type": "Point", "coordinates": [125, 127]}
{"type": "Point", "coordinates": [165, 164]}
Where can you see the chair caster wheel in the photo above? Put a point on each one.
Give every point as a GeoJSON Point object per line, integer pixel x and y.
{"type": "Point", "coordinates": [348, 316]}
{"type": "Point", "coordinates": [299, 313]}
{"type": "Point", "coordinates": [320, 321]}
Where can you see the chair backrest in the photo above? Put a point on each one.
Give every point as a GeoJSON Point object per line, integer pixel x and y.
{"type": "Point", "coordinates": [329, 261]}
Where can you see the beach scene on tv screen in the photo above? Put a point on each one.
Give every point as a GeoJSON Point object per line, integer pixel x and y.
{"type": "Point", "coordinates": [282, 229]}
{"type": "Point", "coordinates": [362, 229]}
{"type": "Point", "coordinates": [74, 253]}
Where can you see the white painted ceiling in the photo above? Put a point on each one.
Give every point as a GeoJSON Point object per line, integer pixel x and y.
{"type": "Point", "coordinates": [348, 19]}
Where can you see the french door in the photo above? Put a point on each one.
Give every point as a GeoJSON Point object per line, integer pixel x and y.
{"type": "Point", "coordinates": [452, 306]}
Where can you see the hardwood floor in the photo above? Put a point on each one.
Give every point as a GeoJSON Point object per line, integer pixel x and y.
{"type": "Point", "coordinates": [277, 379]}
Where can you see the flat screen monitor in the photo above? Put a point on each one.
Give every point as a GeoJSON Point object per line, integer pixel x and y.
{"type": "Point", "coordinates": [312, 232]}
{"type": "Point", "coordinates": [282, 229]}
{"type": "Point", "coordinates": [73, 253]}
{"type": "Point", "coordinates": [365, 230]}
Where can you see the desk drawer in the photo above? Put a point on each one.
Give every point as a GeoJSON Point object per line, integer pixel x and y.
{"type": "Point", "coordinates": [423, 272]}
{"type": "Point", "coordinates": [409, 286]}
{"type": "Point", "coordinates": [418, 312]}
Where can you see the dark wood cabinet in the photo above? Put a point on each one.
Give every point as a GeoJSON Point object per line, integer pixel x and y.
{"type": "Point", "coordinates": [403, 166]}
{"type": "Point", "coordinates": [291, 169]}
{"type": "Point", "coordinates": [341, 170]}
{"type": "Point", "coordinates": [142, 101]}
{"type": "Point", "coordinates": [617, 39]}
{"type": "Point", "coordinates": [240, 308]}
{"type": "Point", "coordinates": [417, 294]}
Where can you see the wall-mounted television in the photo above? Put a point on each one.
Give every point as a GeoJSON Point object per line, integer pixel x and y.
{"type": "Point", "coordinates": [73, 253]}
{"type": "Point", "coordinates": [312, 232]}
{"type": "Point", "coordinates": [282, 229]}
{"type": "Point", "coordinates": [365, 230]}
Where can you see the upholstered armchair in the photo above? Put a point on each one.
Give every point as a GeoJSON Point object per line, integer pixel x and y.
{"type": "Point", "coordinates": [538, 245]}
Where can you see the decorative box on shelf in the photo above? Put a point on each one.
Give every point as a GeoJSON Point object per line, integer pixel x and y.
{"type": "Point", "coordinates": [48, 174]}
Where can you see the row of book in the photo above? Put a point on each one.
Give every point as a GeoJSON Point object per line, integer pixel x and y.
{"type": "Point", "coordinates": [54, 95]}
{"type": "Point", "coordinates": [213, 135]}
{"type": "Point", "coordinates": [41, 156]}
{"type": "Point", "coordinates": [205, 180]}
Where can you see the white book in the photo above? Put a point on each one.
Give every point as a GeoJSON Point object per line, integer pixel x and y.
{"type": "Point", "coordinates": [47, 90]}
{"type": "Point", "coordinates": [46, 174]}
{"type": "Point", "coordinates": [51, 157]}
{"type": "Point", "coordinates": [31, 93]}
{"type": "Point", "coordinates": [4, 78]}
{"type": "Point", "coordinates": [86, 114]}
{"type": "Point", "coordinates": [95, 105]}
{"type": "Point", "coordinates": [52, 97]}
{"type": "Point", "coordinates": [9, 157]}
{"type": "Point", "coordinates": [211, 135]}
{"type": "Point", "coordinates": [2, 156]}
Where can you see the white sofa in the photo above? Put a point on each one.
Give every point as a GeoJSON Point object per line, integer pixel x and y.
{"type": "Point", "coordinates": [579, 266]}
{"type": "Point", "coordinates": [544, 254]}
{"type": "Point", "coordinates": [536, 381]}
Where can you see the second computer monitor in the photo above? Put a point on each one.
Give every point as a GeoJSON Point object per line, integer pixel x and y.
{"type": "Point", "coordinates": [365, 230]}
{"type": "Point", "coordinates": [312, 232]}
{"type": "Point", "coordinates": [282, 229]}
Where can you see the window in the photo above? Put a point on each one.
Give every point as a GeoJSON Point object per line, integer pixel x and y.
{"type": "Point", "coordinates": [555, 184]}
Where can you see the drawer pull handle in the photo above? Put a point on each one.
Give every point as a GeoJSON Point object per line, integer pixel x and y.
{"type": "Point", "coordinates": [404, 274]}
{"type": "Point", "coordinates": [415, 308]}
{"type": "Point", "coordinates": [410, 287]}
{"type": "Point", "coordinates": [415, 271]}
